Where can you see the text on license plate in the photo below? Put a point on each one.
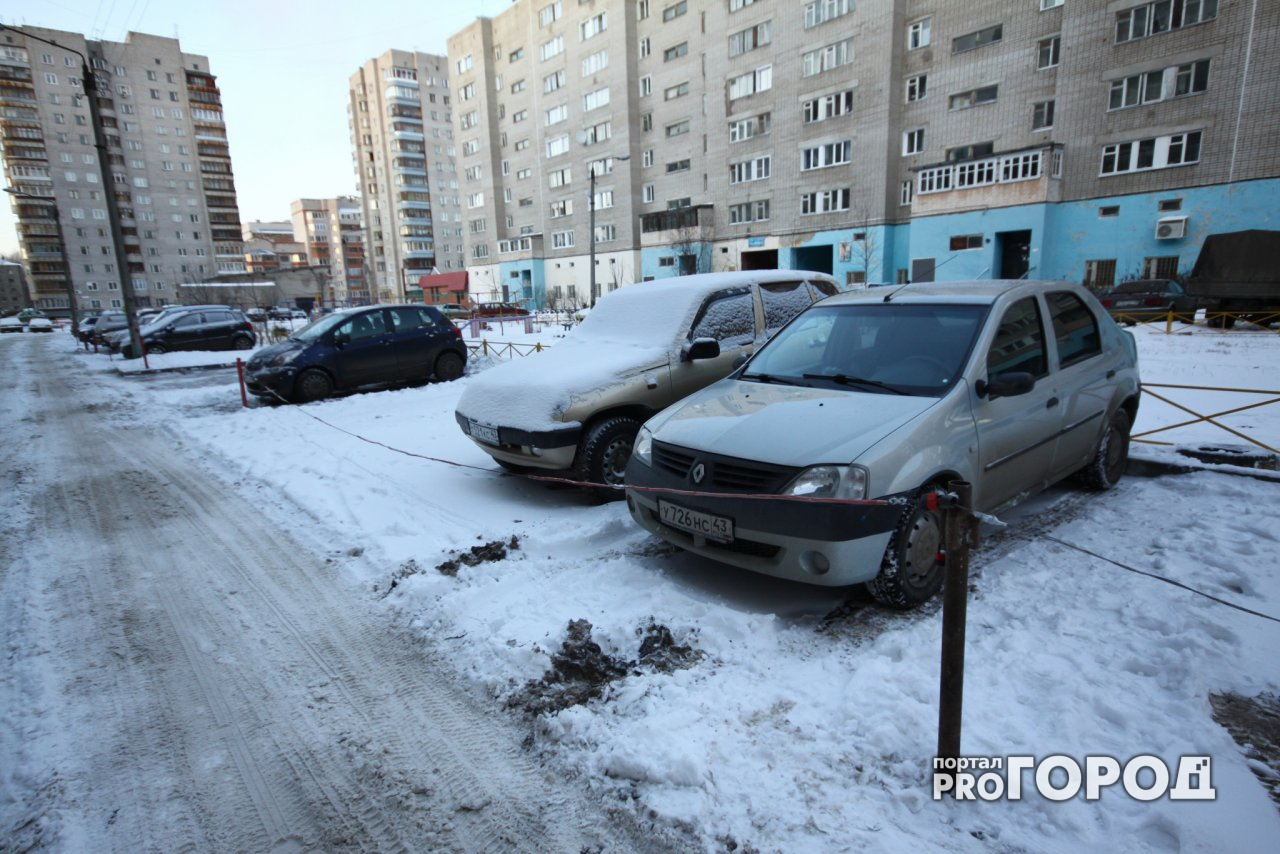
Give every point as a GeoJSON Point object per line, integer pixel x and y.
{"type": "Point", "coordinates": [712, 527]}
{"type": "Point", "coordinates": [482, 433]}
{"type": "Point", "coordinates": [1125, 303]}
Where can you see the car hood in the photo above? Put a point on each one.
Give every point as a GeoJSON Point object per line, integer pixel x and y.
{"type": "Point", "coordinates": [533, 392]}
{"type": "Point", "coordinates": [265, 355]}
{"type": "Point", "coordinates": [785, 425]}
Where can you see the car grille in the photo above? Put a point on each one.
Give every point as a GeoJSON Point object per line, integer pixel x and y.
{"type": "Point", "coordinates": [728, 474]}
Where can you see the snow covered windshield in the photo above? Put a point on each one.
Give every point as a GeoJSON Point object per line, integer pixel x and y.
{"type": "Point", "coordinates": [640, 314]}
{"type": "Point", "coordinates": [890, 349]}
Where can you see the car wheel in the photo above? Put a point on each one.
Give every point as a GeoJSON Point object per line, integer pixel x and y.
{"type": "Point", "coordinates": [449, 367]}
{"type": "Point", "coordinates": [242, 343]}
{"type": "Point", "coordinates": [603, 455]}
{"type": "Point", "coordinates": [155, 349]}
{"type": "Point", "coordinates": [1112, 456]}
{"type": "Point", "coordinates": [912, 568]}
{"type": "Point", "coordinates": [313, 384]}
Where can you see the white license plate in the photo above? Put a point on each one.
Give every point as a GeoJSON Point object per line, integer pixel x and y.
{"type": "Point", "coordinates": [718, 528]}
{"type": "Point", "coordinates": [482, 433]}
{"type": "Point", "coordinates": [1126, 303]}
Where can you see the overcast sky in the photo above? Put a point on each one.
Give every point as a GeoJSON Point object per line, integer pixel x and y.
{"type": "Point", "coordinates": [282, 68]}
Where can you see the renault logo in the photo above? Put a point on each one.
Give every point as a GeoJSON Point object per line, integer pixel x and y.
{"type": "Point", "coordinates": [698, 472]}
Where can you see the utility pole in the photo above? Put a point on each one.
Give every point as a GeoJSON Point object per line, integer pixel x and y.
{"type": "Point", "coordinates": [90, 83]}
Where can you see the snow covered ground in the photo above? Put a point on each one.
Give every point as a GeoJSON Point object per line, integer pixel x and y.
{"type": "Point", "coordinates": [805, 719]}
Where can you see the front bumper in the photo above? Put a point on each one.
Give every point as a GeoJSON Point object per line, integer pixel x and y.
{"type": "Point", "coordinates": [827, 544]}
{"type": "Point", "coordinates": [553, 450]}
{"type": "Point", "coordinates": [271, 383]}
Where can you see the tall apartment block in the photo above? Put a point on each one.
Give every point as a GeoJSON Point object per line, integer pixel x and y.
{"type": "Point", "coordinates": [270, 247]}
{"type": "Point", "coordinates": [170, 167]}
{"type": "Point", "coordinates": [401, 125]}
{"type": "Point", "coordinates": [330, 230]}
{"type": "Point", "coordinates": [900, 140]}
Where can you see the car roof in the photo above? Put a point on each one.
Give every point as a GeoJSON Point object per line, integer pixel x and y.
{"type": "Point", "coordinates": [973, 292]}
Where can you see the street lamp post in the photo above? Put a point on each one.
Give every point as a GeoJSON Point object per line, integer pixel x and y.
{"type": "Point", "coordinates": [591, 209]}
{"type": "Point", "coordinates": [90, 82]}
{"type": "Point", "coordinates": [62, 243]}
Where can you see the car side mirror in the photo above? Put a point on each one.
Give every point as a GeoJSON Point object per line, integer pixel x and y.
{"type": "Point", "coordinates": [699, 348]}
{"type": "Point", "coordinates": [1009, 384]}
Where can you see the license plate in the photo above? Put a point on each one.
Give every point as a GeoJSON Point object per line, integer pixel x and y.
{"type": "Point", "coordinates": [1126, 303]}
{"type": "Point", "coordinates": [483, 433]}
{"type": "Point", "coordinates": [718, 528]}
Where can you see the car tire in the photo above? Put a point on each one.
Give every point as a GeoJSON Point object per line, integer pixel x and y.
{"type": "Point", "coordinates": [449, 367]}
{"type": "Point", "coordinates": [155, 349]}
{"type": "Point", "coordinates": [911, 572]}
{"type": "Point", "coordinates": [242, 342]}
{"type": "Point", "coordinates": [603, 454]}
{"type": "Point", "coordinates": [1112, 455]}
{"type": "Point", "coordinates": [312, 384]}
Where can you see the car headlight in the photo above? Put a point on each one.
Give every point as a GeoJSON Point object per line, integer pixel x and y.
{"type": "Point", "coordinates": [830, 482]}
{"type": "Point", "coordinates": [642, 450]}
{"type": "Point", "coordinates": [284, 358]}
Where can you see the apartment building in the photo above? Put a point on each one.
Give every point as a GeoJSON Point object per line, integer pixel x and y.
{"type": "Point", "coordinates": [269, 247]}
{"type": "Point", "coordinates": [171, 171]}
{"type": "Point", "coordinates": [901, 140]}
{"type": "Point", "coordinates": [402, 137]}
{"type": "Point", "coordinates": [331, 233]}
{"type": "Point", "coordinates": [13, 288]}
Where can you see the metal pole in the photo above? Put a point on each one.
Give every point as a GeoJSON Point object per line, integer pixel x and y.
{"type": "Point", "coordinates": [955, 600]}
{"type": "Point", "coordinates": [591, 207]}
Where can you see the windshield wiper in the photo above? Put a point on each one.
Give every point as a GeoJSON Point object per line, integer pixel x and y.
{"type": "Point", "coordinates": [768, 378]}
{"type": "Point", "coordinates": [845, 379]}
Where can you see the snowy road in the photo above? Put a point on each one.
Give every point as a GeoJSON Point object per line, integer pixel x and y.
{"type": "Point", "coordinates": [182, 675]}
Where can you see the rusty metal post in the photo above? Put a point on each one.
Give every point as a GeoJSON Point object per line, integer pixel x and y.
{"type": "Point", "coordinates": [960, 525]}
{"type": "Point", "coordinates": [244, 397]}
{"type": "Point", "coordinates": [1168, 326]}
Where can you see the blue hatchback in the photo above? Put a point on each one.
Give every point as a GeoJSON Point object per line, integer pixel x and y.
{"type": "Point", "coordinates": [357, 348]}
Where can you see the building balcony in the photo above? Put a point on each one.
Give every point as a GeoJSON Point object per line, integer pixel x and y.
{"type": "Point", "coordinates": [698, 220]}
{"type": "Point", "coordinates": [14, 57]}
{"type": "Point", "coordinates": [1019, 177]}
{"type": "Point", "coordinates": [407, 133]}
{"type": "Point", "coordinates": [15, 73]}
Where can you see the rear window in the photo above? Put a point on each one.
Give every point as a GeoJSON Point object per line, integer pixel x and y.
{"type": "Point", "coordinates": [1075, 327]}
{"type": "Point", "coordinates": [782, 301]}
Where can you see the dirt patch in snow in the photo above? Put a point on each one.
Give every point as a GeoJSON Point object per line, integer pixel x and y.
{"type": "Point", "coordinates": [1254, 722]}
{"type": "Point", "coordinates": [581, 670]}
{"type": "Point", "coordinates": [493, 550]}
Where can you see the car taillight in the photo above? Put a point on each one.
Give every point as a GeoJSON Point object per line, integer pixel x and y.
{"type": "Point", "coordinates": [248, 327]}
{"type": "Point", "coordinates": [1107, 303]}
{"type": "Point", "coordinates": [457, 330]}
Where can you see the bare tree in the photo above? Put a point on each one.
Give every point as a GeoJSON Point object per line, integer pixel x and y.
{"type": "Point", "coordinates": [864, 245]}
{"type": "Point", "coordinates": [691, 245]}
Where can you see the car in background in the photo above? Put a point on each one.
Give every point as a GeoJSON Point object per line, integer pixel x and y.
{"type": "Point", "coordinates": [195, 328]}
{"type": "Point", "coordinates": [40, 324]}
{"type": "Point", "coordinates": [499, 309]}
{"type": "Point", "coordinates": [11, 324]}
{"type": "Point", "coordinates": [1146, 300]}
{"type": "Point", "coordinates": [454, 310]}
{"type": "Point", "coordinates": [27, 313]}
{"type": "Point", "coordinates": [1009, 385]}
{"type": "Point", "coordinates": [357, 348]}
{"type": "Point", "coordinates": [108, 322]}
{"type": "Point", "coordinates": [283, 312]}
{"type": "Point", "coordinates": [85, 328]}
{"type": "Point", "coordinates": [577, 407]}
{"type": "Point", "coordinates": [256, 313]}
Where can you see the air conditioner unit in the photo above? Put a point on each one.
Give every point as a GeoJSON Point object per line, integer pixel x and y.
{"type": "Point", "coordinates": [1171, 228]}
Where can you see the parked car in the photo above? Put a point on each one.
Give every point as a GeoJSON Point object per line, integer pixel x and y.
{"type": "Point", "coordinates": [11, 324]}
{"type": "Point", "coordinates": [1009, 385]}
{"type": "Point", "coordinates": [357, 348]}
{"type": "Point", "coordinates": [27, 313]}
{"type": "Point", "coordinates": [577, 406]}
{"type": "Point", "coordinates": [85, 330]}
{"type": "Point", "coordinates": [194, 328]}
{"type": "Point", "coordinates": [115, 340]}
{"type": "Point", "coordinates": [1149, 299]}
{"type": "Point", "coordinates": [108, 322]}
{"type": "Point", "coordinates": [40, 324]}
{"type": "Point", "coordinates": [256, 314]}
{"type": "Point", "coordinates": [499, 309]}
{"type": "Point", "coordinates": [454, 311]}
{"type": "Point", "coordinates": [283, 312]}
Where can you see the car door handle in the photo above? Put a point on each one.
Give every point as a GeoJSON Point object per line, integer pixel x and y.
{"type": "Point", "coordinates": [1053, 401]}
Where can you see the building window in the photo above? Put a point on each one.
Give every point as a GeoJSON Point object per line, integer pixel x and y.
{"type": "Point", "coordinates": [1164, 267]}
{"type": "Point", "coordinates": [597, 133]}
{"type": "Point", "coordinates": [547, 15]}
{"type": "Point", "coordinates": [753, 81]}
{"type": "Point", "coordinates": [907, 193]}
{"type": "Point", "coordinates": [751, 38]}
{"type": "Point", "coordinates": [552, 48]}
{"type": "Point", "coordinates": [1042, 115]}
{"type": "Point", "coordinates": [675, 52]}
{"type": "Point", "coordinates": [757, 211]}
{"type": "Point", "coordinates": [738, 5]}
{"type": "Point", "coordinates": [646, 86]}
{"type": "Point", "coordinates": [828, 57]}
{"type": "Point", "coordinates": [1162, 16]}
{"type": "Point", "coordinates": [913, 141]}
{"type": "Point", "coordinates": [825, 201]}
{"type": "Point", "coordinates": [516, 55]}
{"type": "Point", "coordinates": [553, 81]}
{"type": "Point", "coordinates": [973, 98]}
{"type": "Point", "coordinates": [1191, 78]}
{"type": "Point", "coordinates": [593, 26]}
{"type": "Point", "coordinates": [755, 169]}
{"type": "Point", "coordinates": [975, 40]}
{"type": "Point", "coordinates": [646, 47]}
{"type": "Point", "coordinates": [1169, 205]}
{"type": "Point", "coordinates": [675, 11]}
{"type": "Point", "coordinates": [825, 10]}
{"type": "Point", "coordinates": [1100, 275]}
{"type": "Point", "coordinates": [1045, 5]}
{"type": "Point", "coordinates": [917, 87]}
{"type": "Point", "coordinates": [678, 166]}
{"type": "Point", "coordinates": [561, 239]}
{"type": "Point", "coordinates": [745, 129]}
{"type": "Point", "coordinates": [1047, 52]}
{"type": "Point", "coordinates": [1107, 211]}
{"type": "Point", "coordinates": [557, 114]}
{"type": "Point", "coordinates": [647, 193]}
{"type": "Point", "coordinates": [824, 156]}
{"type": "Point", "coordinates": [1159, 152]}
{"type": "Point", "coordinates": [918, 34]}
{"type": "Point", "coordinates": [678, 128]}
{"type": "Point", "coordinates": [642, 10]}
{"type": "Point", "coordinates": [595, 63]}
{"type": "Point", "coordinates": [828, 106]}
{"type": "Point", "coordinates": [646, 158]}
{"type": "Point", "coordinates": [961, 242]}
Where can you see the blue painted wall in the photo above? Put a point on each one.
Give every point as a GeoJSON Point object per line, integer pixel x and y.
{"type": "Point", "coordinates": [532, 292]}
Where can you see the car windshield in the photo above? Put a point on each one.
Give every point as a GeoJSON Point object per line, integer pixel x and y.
{"type": "Point", "coordinates": [316, 328]}
{"type": "Point", "coordinates": [876, 347]}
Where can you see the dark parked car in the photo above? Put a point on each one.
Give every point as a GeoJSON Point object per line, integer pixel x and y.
{"type": "Point", "coordinates": [108, 322]}
{"type": "Point", "coordinates": [195, 329]}
{"type": "Point", "coordinates": [358, 347]}
{"type": "Point", "coordinates": [1149, 299]}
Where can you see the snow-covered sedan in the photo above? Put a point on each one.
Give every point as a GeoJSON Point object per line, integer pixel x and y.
{"type": "Point", "coordinates": [577, 406]}
{"type": "Point", "coordinates": [1009, 385]}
